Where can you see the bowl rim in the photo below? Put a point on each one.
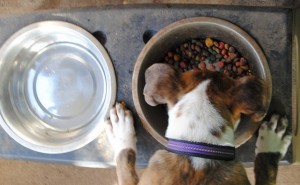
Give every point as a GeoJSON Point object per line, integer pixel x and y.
{"type": "Point", "coordinates": [164, 31]}
{"type": "Point", "coordinates": [86, 138]}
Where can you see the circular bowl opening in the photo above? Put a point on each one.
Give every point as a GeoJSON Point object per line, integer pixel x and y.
{"type": "Point", "coordinates": [155, 119]}
{"type": "Point", "coordinates": [57, 84]}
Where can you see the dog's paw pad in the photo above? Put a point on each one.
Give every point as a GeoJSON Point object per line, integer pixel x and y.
{"type": "Point", "coordinates": [272, 136]}
{"type": "Point", "coordinates": [120, 130]}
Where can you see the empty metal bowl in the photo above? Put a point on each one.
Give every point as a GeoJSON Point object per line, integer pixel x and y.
{"type": "Point", "coordinates": [57, 84]}
{"type": "Point", "coordinates": [155, 119]}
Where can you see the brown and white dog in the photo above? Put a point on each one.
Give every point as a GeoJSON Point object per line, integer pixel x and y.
{"type": "Point", "coordinates": [204, 107]}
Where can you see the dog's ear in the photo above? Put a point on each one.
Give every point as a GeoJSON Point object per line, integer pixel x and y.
{"type": "Point", "coordinates": [249, 97]}
{"type": "Point", "coordinates": [162, 84]}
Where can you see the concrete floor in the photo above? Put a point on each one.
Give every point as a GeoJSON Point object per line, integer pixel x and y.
{"type": "Point", "coordinates": [13, 172]}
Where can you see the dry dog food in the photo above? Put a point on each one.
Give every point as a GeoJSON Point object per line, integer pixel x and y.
{"type": "Point", "coordinates": [202, 54]}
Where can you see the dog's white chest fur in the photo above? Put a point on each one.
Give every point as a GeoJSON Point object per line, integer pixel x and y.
{"type": "Point", "coordinates": [193, 118]}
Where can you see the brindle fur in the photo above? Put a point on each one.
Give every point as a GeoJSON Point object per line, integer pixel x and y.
{"type": "Point", "coordinates": [232, 98]}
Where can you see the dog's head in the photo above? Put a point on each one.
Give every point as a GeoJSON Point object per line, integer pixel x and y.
{"type": "Point", "coordinates": [231, 97]}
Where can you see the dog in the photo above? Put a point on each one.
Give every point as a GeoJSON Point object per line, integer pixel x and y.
{"type": "Point", "coordinates": [204, 108]}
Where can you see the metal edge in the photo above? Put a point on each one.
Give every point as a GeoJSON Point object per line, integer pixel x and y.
{"type": "Point", "coordinates": [93, 135]}
{"type": "Point", "coordinates": [169, 28]}
{"type": "Point", "coordinates": [296, 86]}
{"type": "Point", "coordinates": [135, 97]}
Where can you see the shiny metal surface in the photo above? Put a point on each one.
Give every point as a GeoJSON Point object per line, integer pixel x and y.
{"type": "Point", "coordinates": [57, 84]}
{"type": "Point", "coordinates": [155, 119]}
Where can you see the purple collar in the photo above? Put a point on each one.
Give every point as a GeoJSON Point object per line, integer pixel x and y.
{"type": "Point", "coordinates": [202, 150]}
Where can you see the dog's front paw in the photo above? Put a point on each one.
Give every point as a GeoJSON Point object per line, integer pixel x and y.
{"type": "Point", "coordinates": [120, 130]}
{"type": "Point", "coordinates": [272, 137]}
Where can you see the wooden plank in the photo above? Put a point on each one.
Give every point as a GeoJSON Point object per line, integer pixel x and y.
{"type": "Point", "coordinates": [8, 7]}
{"type": "Point", "coordinates": [296, 86]}
{"type": "Point", "coordinates": [24, 172]}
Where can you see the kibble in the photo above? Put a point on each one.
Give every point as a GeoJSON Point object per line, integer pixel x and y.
{"type": "Point", "coordinates": [226, 46]}
{"type": "Point", "coordinates": [170, 54]}
{"type": "Point", "coordinates": [211, 67]}
{"type": "Point", "coordinates": [209, 42]}
{"type": "Point", "coordinates": [221, 64]}
{"type": "Point", "coordinates": [202, 65]}
{"type": "Point", "coordinates": [176, 58]}
{"type": "Point", "coordinates": [216, 44]}
{"type": "Point", "coordinates": [197, 48]}
{"type": "Point", "coordinates": [224, 52]}
{"type": "Point", "coordinates": [208, 54]}
{"type": "Point", "coordinates": [221, 45]}
{"type": "Point", "coordinates": [231, 49]}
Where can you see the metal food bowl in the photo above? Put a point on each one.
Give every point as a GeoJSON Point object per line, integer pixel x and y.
{"type": "Point", "coordinates": [155, 119]}
{"type": "Point", "coordinates": [57, 84]}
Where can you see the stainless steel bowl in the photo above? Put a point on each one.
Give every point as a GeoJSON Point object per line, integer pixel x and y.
{"type": "Point", "coordinates": [57, 84]}
{"type": "Point", "coordinates": [155, 119]}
